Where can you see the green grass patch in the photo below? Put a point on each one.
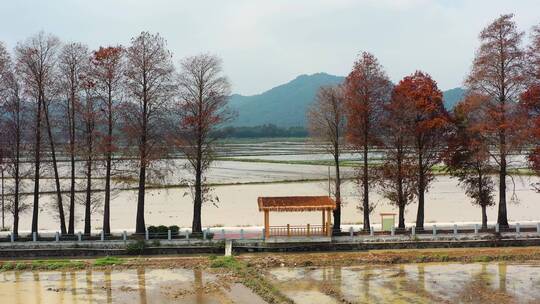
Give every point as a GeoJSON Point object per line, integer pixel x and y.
{"type": "Point", "coordinates": [52, 264]}
{"type": "Point", "coordinates": [108, 260]}
{"type": "Point", "coordinates": [7, 266]}
{"type": "Point", "coordinates": [228, 262]}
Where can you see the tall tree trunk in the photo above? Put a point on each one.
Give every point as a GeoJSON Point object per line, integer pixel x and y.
{"type": "Point", "coordinates": [502, 217]}
{"type": "Point", "coordinates": [337, 211]}
{"type": "Point", "coordinates": [37, 163]}
{"type": "Point", "coordinates": [56, 176]}
{"type": "Point", "coordinates": [106, 207]}
{"type": "Point", "coordinates": [17, 178]}
{"type": "Point", "coordinates": [3, 206]}
{"type": "Point", "coordinates": [421, 190]}
{"type": "Point", "coordinates": [196, 226]}
{"type": "Point", "coordinates": [401, 216]}
{"type": "Point", "coordinates": [88, 202]}
{"type": "Point", "coordinates": [484, 217]}
{"type": "Point", "coordinates": [71, 123]}
{"type": "Point", "coordinates": [365, 184]}
{"type": "Point", "coordinates": [140, 226]}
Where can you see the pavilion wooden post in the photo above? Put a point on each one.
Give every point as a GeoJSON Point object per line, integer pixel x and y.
{"type": "Point", "coordinates": [324, 221]}
{"type": "Point", "coordinates": [328, 223]}
{"type": "Point", "coordinates": [266, 224]}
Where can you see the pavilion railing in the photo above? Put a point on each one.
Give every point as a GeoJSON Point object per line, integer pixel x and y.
{"type": "Point", "coordinates": [289, 230]}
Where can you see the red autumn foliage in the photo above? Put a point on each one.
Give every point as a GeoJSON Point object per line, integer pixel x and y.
{"type": "Point", "coordinates": [498, 72]}
{"type": "Point", "coordinates": [467, 156]}
{"type": "Point", "coordinates": [427, 124]}
{"type": "Point", "coordinates": [367, 90]}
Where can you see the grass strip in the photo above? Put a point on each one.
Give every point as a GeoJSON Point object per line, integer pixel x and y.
{"type": "Point", "coordinates": [251, 278]}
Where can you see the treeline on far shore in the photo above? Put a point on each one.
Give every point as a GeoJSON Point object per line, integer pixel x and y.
{"type": "Point", "coordinates": [261, 131]}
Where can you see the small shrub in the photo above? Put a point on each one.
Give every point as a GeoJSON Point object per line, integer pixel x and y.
{"type": "Point", "coordinates": [136, 247]}
{"type": "Point", "coordinates": [174, 229]}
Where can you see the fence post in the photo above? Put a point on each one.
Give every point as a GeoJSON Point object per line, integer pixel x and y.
{"type": "Point", "coordinates": [169, 234]}
{"type": "Point", "coordinates": [242, 233]}
{"type": "Point", "coordinates": [372, 231]}
{"type": "Point", "coordinates": [34, 236]}
{"type": "Point", "coordinates": [56, 237]}
{"type": "Point", "coordinates": [308, 231]}
{"type": "Point", "coordinates": [538, 228]}
{"type": "Point", "coordinates": [12, 236]}
{"type": "Point", "coordinates": [518, 228]}
{"type": "Point", "coordinates": [124, 236]}
{"type": "Point", "coordinates": [455, 230]}
{"type": "Point", "coordinates": [475, 228]}
{"type": "Point", "coordinates": [79, 236]}
{"type": "Point", "coordinates": [146, 234]}
{"type": "Point", "coordinates": [187, 234]}
{"type": "Point", "coordinates": [351, 231]}
{"type": "Point", "coordinates": [434, 229]}
{"type": "Point", "coordinates": [413, 230]}
{"type": "Point", "coordinates": [263, 234]}
{"type": "Point", "coordinates": [102, 235]}
{"type": "Point", "coordinates": [205, 231]}
{"type": "Point", "coordinates": [288, 229]}
{"type": "Point", "coordinates": [497, 228]}
{"type": "Point", "coordinates": [393, 231]}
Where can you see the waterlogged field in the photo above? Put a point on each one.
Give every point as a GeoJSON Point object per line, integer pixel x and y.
{"type": "Point", "coordinates": [412, 283]}
{"type": "Point", "coordinates": [133, 286]}
{"type": "Point", "coordinates": [249, 169]}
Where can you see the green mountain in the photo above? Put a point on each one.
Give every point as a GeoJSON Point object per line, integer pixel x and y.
{"type": "Point", "coordinates": [286, 105]}
{"type": "Point", "coordinates": [452, 97]}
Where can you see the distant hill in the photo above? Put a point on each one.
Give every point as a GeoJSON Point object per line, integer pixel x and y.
{"type": "Point", "coordinates": [452, 97]}
{"type": "Point", "coordinates": [286, 105]}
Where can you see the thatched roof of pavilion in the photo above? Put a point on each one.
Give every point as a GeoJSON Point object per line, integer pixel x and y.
{"type": "Point", "coordinates": [296, 203]}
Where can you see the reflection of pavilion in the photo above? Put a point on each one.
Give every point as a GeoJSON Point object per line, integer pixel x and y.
{"type": "Point", "coordinates": [322, 232]}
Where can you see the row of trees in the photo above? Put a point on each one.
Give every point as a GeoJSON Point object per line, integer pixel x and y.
{"type": "Point", "coordinates": [499, 117]}
{"type": "Point", "coordinates": [113, 111]}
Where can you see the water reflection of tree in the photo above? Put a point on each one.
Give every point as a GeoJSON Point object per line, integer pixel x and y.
{"type": "Point", "coordinates": [62, 286]}
{"type": "Point", "coordinates": [37, 289]}
{"type": "Point", "coordinates": [502, 277]}
{"type": "Point", "coordinates": [89, 286]}
{"type": "Point", "coordinates": [198, 285]}
{"type": "Point", "coordinates": [73, 277]}
{"type": "Point", "coordinates": [478, 288]}
{"type": "Point", "coordinates": [142, 285]}
{"type": "Point", "coordinates": [108, 285]}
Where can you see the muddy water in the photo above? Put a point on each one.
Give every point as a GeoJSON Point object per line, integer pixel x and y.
{"type": "Point", "coordinates": [413, 283]}
{"type": "Point", "coordinates": [237, 206]}
{"type": "Point", "coordinates": [126, 286]}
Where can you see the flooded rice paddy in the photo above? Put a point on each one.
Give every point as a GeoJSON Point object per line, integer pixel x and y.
{"type": "Point", "coordinates": [494, 282]}
{"type": "Point", "coordinates": [126, 286]}
{"type": "Point", "coordinates": [412, 283]}
{"type": "Point", "coordinates": [237, 206]}
{"type": "Point", "coordinates": [245, 175]}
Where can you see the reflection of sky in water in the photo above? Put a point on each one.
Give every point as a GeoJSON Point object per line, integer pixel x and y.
{"type": "Point", "coordinates": [413, 282]}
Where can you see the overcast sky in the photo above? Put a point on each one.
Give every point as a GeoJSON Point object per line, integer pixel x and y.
{"type": "Point", "coordinates": [264, 43]}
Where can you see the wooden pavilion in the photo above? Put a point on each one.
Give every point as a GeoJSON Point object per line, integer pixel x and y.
{"type": "Point", "coordinates": [324, 204]}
